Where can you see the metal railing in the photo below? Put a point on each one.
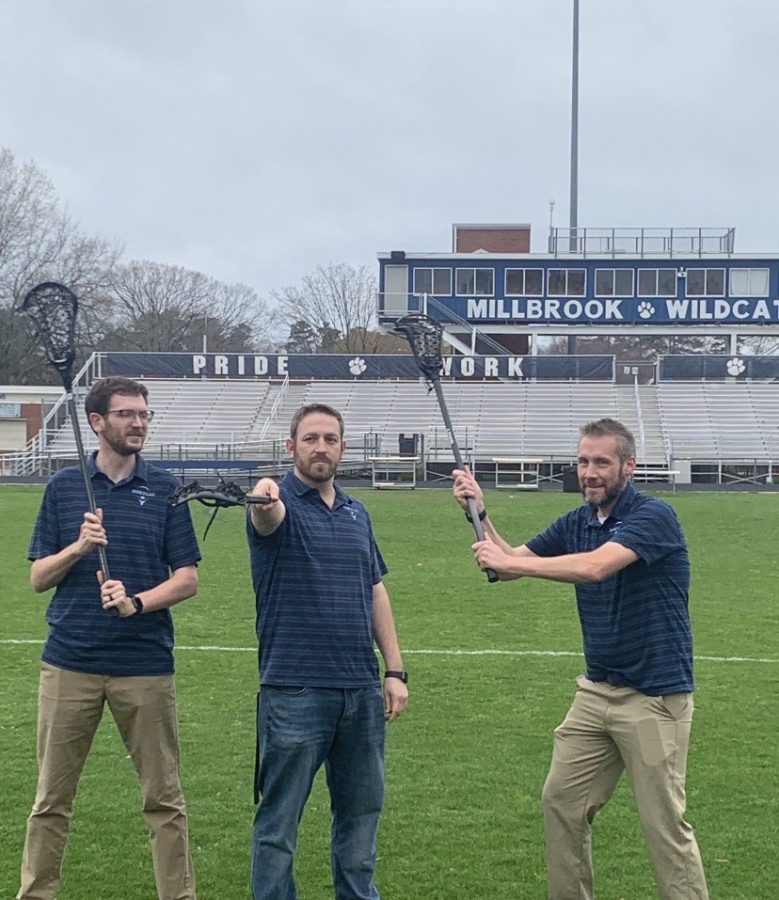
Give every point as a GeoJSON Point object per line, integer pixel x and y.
{"type": "Point", "coordinates": [447, 315]}
{"type": "Point", "coordinates": [641, 242]}
{"type": "Point", "coordinates": [277, 404]}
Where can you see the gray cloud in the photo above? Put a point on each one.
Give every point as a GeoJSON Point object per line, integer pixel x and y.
{"type": "Point", "coordinates": [256, 140]}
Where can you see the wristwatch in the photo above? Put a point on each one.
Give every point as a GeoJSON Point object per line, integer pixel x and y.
{"type": "Point", "coordinates": [402, 674]}
{"type": "Point", "coordinates": [137, 603]}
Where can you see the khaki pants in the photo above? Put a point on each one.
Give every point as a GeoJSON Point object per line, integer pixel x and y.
{"type": "Point", "coordinates": [70, 706]}
{"type": "Point", "coordinates": [609, 729]}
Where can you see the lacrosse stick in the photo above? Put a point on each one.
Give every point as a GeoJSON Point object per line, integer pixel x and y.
{"type": "Point", "coordinates": [425, 335]}
{"type": "Point", "coordinates": [53, 309]}
{"type": "Point", "coordinates": [222, 495]}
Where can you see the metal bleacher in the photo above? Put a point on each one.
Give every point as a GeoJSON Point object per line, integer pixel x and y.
{"type": "Point", "coordinates": [720, 420]}
{"type": "Point", "coordinates": [204, 414]}
{"type": "Point", "coordinates": [671, 420]}
{"type": "Point", "coordinates": [489, 419]}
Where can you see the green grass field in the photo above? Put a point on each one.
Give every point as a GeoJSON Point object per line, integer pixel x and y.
{"type": "Point", "coordinates": [492, 669]}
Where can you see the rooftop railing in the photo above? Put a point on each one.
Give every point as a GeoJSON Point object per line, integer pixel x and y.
{"type": "Point", "coordinates": [641, 242]}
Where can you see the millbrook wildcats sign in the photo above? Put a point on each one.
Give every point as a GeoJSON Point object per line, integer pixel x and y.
{"type": "Point", "coordinates": [611, 310]}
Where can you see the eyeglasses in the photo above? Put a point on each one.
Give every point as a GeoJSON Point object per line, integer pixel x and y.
{"type": "Point", "coordinates": [129, 415]}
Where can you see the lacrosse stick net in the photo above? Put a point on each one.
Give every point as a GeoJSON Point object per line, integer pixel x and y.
{"type": "Point", "coordinates": [53, 309]}
{"type": "Point", "coordinates": [220, 496]}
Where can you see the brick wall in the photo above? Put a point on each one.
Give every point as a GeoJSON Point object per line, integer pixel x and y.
{"type": "Point", "coordinates": [493, 239]}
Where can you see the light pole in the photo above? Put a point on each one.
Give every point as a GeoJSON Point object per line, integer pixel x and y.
{"type": "Point", "coordinates": [573, 206]}
{"type": "Point", "coordinates": [205, 333]}
{"type": "Point", "coordinates": [573, 210]}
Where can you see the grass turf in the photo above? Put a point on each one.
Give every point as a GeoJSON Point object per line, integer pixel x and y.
{"type": "Point", "coordinates": [465, 765]}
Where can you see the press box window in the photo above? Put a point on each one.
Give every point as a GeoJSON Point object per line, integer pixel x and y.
{"type": "Point", "coordinates": [524, 282]}
{"type": "Point", "coordinates": [433, 281]}
{"type": "Point", "coordinates": [749, 282]}
{"type": "Point", "coordinates": [657, 282]}
{"type": "Point", "coordinates": [475, 282]}
{"type": "Point", "coordinates": [613, 282]}
{"type": "Point", "coordinates": [705, 283]}
{"type": "Point", "coordinates": [566, 282]}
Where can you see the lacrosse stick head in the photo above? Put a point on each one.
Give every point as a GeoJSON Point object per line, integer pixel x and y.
{"type": "Point", "coordinates": [53, 309]}
{"type": "Point", "coordinates": [425, 336]}
{"type": "Point", "coordinates": [224, 493]}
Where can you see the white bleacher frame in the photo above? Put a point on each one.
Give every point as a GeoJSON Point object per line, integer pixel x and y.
{"type": "Point", "coordinates": [394, 471]}
{"type": "Point", "coordinates": [517, 473]}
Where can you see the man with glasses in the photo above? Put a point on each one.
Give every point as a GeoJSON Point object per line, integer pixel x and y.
{"type": "Point", "coordinates": [111, 640]}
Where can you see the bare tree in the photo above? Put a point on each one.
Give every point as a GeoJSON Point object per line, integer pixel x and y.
{"type": "Point", "coordinates": [38, 239]}
{"type": "Point", "coordinates": [40, 242]}
{"type": "Point", "coordinates": [137, 305]}
{"type": "Point", "coordinates": [161, 308]}
{"type": "Point", "coordinates": [29, 215]}
{"type": "Point", "coordinates": [760, 345]}
{"type": "Point", "coordinates": [336, 305]}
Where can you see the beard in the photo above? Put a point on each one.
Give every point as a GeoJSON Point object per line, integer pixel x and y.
{"type": "Point", "coordinates": [610, 494]}
{"type": "Point", "coordinates": [118, 443]}
{"type": "Point", "coordinates": [318, 470]}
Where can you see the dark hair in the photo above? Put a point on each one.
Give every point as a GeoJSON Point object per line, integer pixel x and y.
{"type": "Point", "coordinates": [626, 443]}
{"type": "Point", "coordinates": [98, 399]}
{"type": "Point", "coordinates": [309, 408]}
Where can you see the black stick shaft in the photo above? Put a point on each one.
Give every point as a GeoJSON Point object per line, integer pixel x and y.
{"type": "Point", "coordinates": [82, 461]}
{"type": "Point", "coordinates": [473, 511]}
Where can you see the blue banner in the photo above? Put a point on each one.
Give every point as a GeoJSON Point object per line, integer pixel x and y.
{"type": "Point", "coordinates": [716, 367]}
{"type": "Point", "coordinates": [614, 311]}
{"type": "Point", "coordinates": [353, 366]}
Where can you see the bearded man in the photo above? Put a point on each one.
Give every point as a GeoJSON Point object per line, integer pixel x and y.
{"type": "Point", "coordinates": [110, 640]}
{"type": "Point", "coordinates": [626, 554]}
{"type": "Point", "coordinates": [321, 605]}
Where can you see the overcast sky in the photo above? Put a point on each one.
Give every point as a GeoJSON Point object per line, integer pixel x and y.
{"type": "Point", "coordinates": [256, 139]}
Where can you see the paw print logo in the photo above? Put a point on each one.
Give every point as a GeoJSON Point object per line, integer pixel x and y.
{"type": "Point", "coordinates": [735, 366]}
{"type": "Point", "coordinates": [357, 365]}
{"type": "Point", "coordinates": [645, 310]}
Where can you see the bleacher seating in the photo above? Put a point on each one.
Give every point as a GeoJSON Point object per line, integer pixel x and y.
{"type": "Point", "coordinates": [489, 419]}
{"type": "Point", "coordinates": [207, 414]}
{"type": "Point", "coordinates": [720, 420]}
{"type": "Point", "coordinates": [679, 420]}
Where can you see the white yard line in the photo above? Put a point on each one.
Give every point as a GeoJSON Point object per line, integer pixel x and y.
{"type": "Point", "coordinates": [208, 648]}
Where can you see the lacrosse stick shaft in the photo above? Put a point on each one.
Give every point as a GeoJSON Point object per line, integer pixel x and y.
{"type": "Point", "coordinates": [473, 511]}
{"type": "Point", "coordinates": [82, 461]}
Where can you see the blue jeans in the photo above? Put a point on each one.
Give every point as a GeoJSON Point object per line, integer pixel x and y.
{"type": "Point", "coordinates": [299, 729]}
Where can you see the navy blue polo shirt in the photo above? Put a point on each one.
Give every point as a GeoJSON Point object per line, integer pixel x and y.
{"type": "Point", "coordinates": [635, 624]}
{"type": "Point", "coordinates": [147, 538]}
{"type": "Point", "coordinates": [313, 582]}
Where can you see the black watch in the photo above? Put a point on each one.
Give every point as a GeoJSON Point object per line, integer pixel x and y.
{"type": "Point", "coordinates": [137, 603]}
{"type": "Point", "coordinates": [402, 674]}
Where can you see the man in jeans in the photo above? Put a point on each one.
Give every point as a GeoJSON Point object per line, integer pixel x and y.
{"type": "Point", "coordinates": [321, 604]}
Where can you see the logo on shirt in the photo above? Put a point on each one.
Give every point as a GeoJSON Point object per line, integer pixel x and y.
{"type": "Point", "coordinates": [142, 495]}
{"type": "Point", "coordinates": [352, 512]}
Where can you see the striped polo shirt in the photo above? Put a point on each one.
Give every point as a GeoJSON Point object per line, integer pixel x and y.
{"type": "Point", "coordinates": [635, 624]}
{"type": "Point", "coordinates": [313, 582]}
{"type": "Point", "coordinates": [147, 538]}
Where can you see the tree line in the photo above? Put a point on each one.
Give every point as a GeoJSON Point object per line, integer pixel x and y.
{"type": "Point", "coordinates": [148, 306]}
{"type": "Point", "coordinates": [140, 305]}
